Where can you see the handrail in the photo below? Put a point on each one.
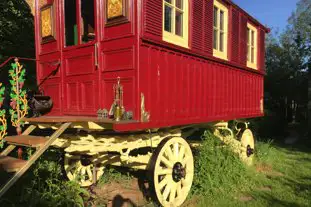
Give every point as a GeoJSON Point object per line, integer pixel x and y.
{"type": "Point", "coordinates": [10, 58]}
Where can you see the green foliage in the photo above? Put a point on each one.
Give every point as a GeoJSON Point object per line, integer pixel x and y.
{"type": "Point", "coordinates": [217, 169]}
{"type": "Point", "coordinates": [45, 185]}
{"type": "Point", "coordinates": [288, 60]}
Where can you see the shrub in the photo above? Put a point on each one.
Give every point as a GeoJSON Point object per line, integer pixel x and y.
{"type": "Point", "coordinates": [217, 168]}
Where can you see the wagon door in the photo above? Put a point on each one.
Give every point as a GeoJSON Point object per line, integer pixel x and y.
{"type": "Point", "coordinates": [80, 74]}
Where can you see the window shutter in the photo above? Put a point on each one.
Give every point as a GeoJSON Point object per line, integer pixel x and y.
{"type": "Point", "coordinates": [153, 18]}
{"type": "Point", "coordinates": [261, 50]}
{"type": "Point", "coordinates": [235, 34]}
{"type": "Point", "coordinates": [208, 26]}
{"type": "Point", "coordinates": [243, 40]}
{"type": "Point", "coordinates": [197, 23]}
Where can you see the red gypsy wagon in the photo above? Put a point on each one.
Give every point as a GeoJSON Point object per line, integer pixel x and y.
{"type": "Point", "coordinates": [140, 72]}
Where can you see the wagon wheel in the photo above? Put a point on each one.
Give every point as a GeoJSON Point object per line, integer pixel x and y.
{"type": "Point", "coordinates": [247, 146]}
{"type": "Point", "coordinates": [172, 171]}
{"type": "Point", "coordinates": [80, 168]}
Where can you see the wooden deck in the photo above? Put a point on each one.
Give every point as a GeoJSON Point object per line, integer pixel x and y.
{"type": "Point", "coordinates": [74, 119]}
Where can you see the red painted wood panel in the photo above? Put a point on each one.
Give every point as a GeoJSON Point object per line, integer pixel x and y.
{"type": "Point", "coordinates": [153, 12]}
{"type": "Point", "coordinates": [261, 48]}
{"type": "Point", "coordinates": [235, 35]}
{"type": "Point", "coordinates": [225, 93]}
{"type": "Point", "coordinates": [208, 26]}
{"type": "Point", "coordinates": [243, 40]}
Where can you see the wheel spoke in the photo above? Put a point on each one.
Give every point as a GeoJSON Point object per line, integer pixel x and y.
{"type": "Point", "coordinates": [185, 160]}
{"type": "Point", "coordinates": [163, 183]}
{"type": "Point", "coordinates": [166, 191]}
{"type": "Point", "coordinates": [89, 173]}
{"type": "Point", "coordinates": [166, 171]}
{"type": "Point", "coordinates": [169, 153]}
{"type": "Point", "coordinates": [83, 171]}
{"type": "Point", "coordinates": [185, 182]}
{"type": "Point", "coordinates": [69, 167]}
{"type": "Point", "coordinates": [178, 189]}
{"type": "Point", "coordinates": [167, 163]}
{"type": "Point", "coordinates": [173, 192]}
{"type": "Point", "coordinates": [176, 150]}
{"type": "Point", "coordinates": [181, 153]}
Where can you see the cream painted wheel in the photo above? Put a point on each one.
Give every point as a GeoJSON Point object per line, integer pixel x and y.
{"type": "Point", "coordinates": [247, 146]}
{"type": "Point", "coordinates": [80, 168]}
{"type": "Point", "coordinates": [172, 171]}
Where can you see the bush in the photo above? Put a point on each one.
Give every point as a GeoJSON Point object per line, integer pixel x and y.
{"type": "Point", "coordinates": [218, 169]}
{"type": "Point", "coordinates": [44, 185]}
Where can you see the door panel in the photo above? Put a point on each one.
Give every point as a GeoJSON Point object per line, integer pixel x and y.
{"type": "Point", "coordinates": [80, 74]}
{"type": "Point", "coordinates": [81, 81]}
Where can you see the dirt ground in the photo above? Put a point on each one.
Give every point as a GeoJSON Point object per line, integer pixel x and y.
{"type": "Point", "coordinates": [122, 194]}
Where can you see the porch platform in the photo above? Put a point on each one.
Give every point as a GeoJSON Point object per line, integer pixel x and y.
{"type": "Point", "coordinates": [74, 119]}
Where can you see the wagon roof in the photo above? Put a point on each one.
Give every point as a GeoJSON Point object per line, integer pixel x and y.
{"type": "Point", "coordinates": [253, 19]}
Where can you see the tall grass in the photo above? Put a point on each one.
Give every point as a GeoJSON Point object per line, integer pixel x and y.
{"type": "Point", "coordinates": [217, 169]}
{"type": "Point", "coordinates": [44, 185]}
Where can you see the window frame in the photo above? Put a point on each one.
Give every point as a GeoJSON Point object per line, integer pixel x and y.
{"type": "Point", "coordinates": [171, 37]}
{"type": "Point", "coordinates": [251, 28]}
{"type": "Point", "coordinates": [216, 52]}
{"type": "Point", "coordinates": [79, 23]}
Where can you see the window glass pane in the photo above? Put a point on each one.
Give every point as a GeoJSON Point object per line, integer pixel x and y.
{"type": "Point", "coordinates": [71, 31]}
{"type": "Point", "coordinates": [87, 20]}
{"type": "Point", "coordinates": [168, 19]}
{"type": "Point", "coordinates": [253, 38]}
{"type": "Point", "coordinates": [252, 55]}
{"type": "Point", "coordinates": [179, 23]}
{"type": "Point", "coordinates": [215, 16]}
{"type": "Point", "coordinates": [221, 19]}
{"type": "Point", "coordinates": [215, 39]}
{"type": "Point", "coordinates": [248, 34]}
{"type": "Point", "coordinates": [169, 1]}
{"type": "Point", "coordinates": [248, 53]}
{"type": "Point", "coordinates": [179, 4]}
{"type": "Point", "coordinates": [221, 42]}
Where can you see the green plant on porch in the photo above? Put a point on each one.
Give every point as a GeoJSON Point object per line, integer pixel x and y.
{"type": "Point", "coordinates": [3, 122]}
{"type": "Point", "coordinates": [19, 105]}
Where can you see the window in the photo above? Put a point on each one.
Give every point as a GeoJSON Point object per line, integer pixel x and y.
{"type": "Point", "coordinates": [79, 30]}
{"type": "Point", "coordinates": [220, 31]}
{"type": "Point", "coordinates": [251, 46]}
{"type": "Point", "coordinates": [175, 22]}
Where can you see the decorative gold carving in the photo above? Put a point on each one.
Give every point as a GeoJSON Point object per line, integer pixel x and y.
{"type": "Point", "coordinates": [145, 116]}
{"type": "Point", "coordinates": [114, 8]}
{"type": "Point", "coordinates": [47, 30]}
{"type": "Point", "coordinates": [116, 12]}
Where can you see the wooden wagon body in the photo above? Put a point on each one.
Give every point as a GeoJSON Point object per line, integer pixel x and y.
{"type": "Point", "coordinates": [180, 85]}
{"type": "Point", "coordinates": [161, 68]}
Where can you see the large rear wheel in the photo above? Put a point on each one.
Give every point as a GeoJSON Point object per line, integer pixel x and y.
{"type": "Point", "coordinates": [172, 170]}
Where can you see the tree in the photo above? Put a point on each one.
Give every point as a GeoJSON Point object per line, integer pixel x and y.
{"type": "Point", "coordinates": [17, 36]}
{"type": "Point", "coordinates": [288, 62]}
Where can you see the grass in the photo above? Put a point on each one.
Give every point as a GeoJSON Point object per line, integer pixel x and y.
{"type": "Point", "coordinates": [281, 176]}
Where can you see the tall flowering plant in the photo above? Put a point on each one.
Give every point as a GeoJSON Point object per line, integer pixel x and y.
{"type": "Point", "coordinates": [3, 122]}
{"type": "Point", "coordinates": [19, 104]}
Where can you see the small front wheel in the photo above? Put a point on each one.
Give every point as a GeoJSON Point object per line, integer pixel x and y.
{"type": "Point", "coordinates": [80, 168]}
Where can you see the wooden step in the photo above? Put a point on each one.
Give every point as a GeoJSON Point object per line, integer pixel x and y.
{"type": "Point", "coordinates": [26, 140]}
{"type": "Point", "coordinates": [11, 164]}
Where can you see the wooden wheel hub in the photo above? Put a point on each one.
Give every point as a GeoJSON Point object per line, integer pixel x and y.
{"type": "Point", "coordinates": [249, 151]}
{"type": "Point", "coordinates": [179, 172]}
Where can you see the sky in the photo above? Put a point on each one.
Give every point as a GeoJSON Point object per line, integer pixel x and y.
{"type": "Point", "coordinates": [273, 13]}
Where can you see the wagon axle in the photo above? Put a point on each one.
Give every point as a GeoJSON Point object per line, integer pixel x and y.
{"type": "Point", "coordinates": [179, 172]}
